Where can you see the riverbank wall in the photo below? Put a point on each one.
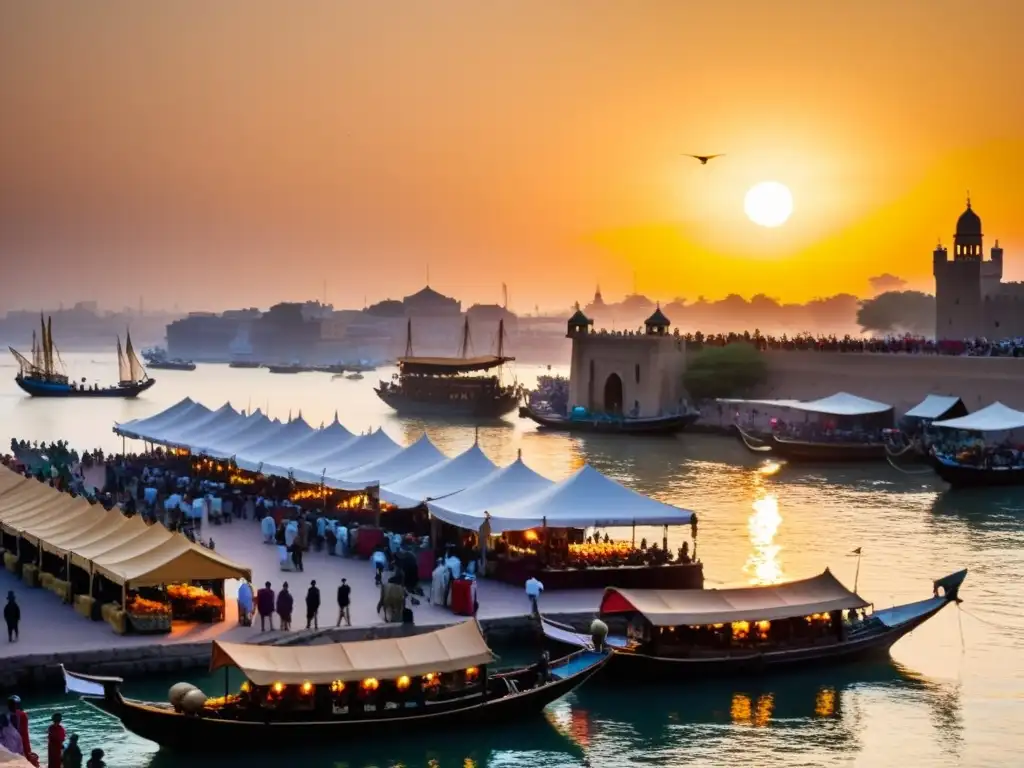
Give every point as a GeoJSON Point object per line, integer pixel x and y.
{"type": "Point", "coordinates": [900, 379]}
{"type": "Point", "coordinates": [42, 672]}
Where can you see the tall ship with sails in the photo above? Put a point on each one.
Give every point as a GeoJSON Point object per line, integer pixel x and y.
{"type": "Point", "coordinates": [44, 374]}
{"type": "Point", "coordinates": [451, 386]}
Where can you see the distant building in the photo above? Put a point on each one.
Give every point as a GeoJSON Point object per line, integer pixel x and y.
{"type": "Point", "coordinates": [429, 302]}
{"type": "Point", "coordinates": [971, 301]}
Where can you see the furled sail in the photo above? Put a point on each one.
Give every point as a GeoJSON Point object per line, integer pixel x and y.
{"type": "Point", "coordinates": [44, 345]}
{"type": "Point", "coordinates": [135, 369]}
{"type": "Point", "coordinates": [124, 371]}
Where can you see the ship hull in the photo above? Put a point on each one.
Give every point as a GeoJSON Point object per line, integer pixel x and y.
{"type": "Point", "coordinates": [37, 388]}
{"type": "Point", "coordinates": [405, 405]}
{"type": "Point", "coordinates": [966, 476]}
{"type": "Point", "coordinates": [662, 425]}
{"type": "Point", "coordinates": [171, 366]}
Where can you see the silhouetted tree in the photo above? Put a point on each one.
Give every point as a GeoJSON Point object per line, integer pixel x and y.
{"type": "Point", "coordinates": [898, 312]}
{"type": "Point", "coordinates": [735, 370]}
{"type": "Point", "coordinates": [886, 282]}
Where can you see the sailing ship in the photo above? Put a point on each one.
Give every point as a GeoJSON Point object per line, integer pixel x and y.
{"type": "Point", "coordinates": [45, 376]}
{"type": "Point", "coordinates": [446, 386]}
{"type": "Point", "coordinates": [343, 693]}
{"type": "Point", "coordinates": [698, 633]}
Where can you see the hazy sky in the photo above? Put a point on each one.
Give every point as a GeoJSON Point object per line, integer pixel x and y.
{"type": "Point", "coordinates": [237, 152]}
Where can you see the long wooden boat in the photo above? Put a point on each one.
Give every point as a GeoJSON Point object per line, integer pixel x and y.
{"type": "Point", "coordinates": [686, 634]}
{"type": "Point", "coordinates": [345, 692]}
{"type": "Point", "coordinates": [806, 451]}
{"type": "Point", "coordinates": [172, 365]}
{"type": "Point", "coordinates": [604, 424]}
{"type": "Point", "coordinates": [970, 476]}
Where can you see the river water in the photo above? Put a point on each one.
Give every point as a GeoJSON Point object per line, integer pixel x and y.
{"type": "Point", "coordinates": [953, 694]}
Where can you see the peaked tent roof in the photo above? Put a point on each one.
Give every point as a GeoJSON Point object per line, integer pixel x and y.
{"type": "Point", "coordinates": [419, 456]}
{"type": "Point", "coordinates": [842, 404]}
{"type": "Point", "coordinates": [585, 499]}
{"type": "Point", "coordinates": [444, 650]}
{"type": "Point", "coordinates": [176, 559]}
{"type": "Point", "coordinates": [292, 433]}
{"type": "Point", "coordinates": [254, 433]}
{"type": "Point", "coordinates": [450, 476]}
{"type": "Point", "coordinates": [367, 449]}
{"type": "Point", "coordinates": [232, 425]}
{"type": "Point", "coordinates": [933, 406]}
{"type": "Point", "coordinates": [136, 427]}
{"type": "Point", "coordinates": [311, 448]}
{"type": "Point", "coordinates": [183, 420]}
{"type": "Point", "coordinates": [993, 418]}
{"type": "Point", "coordinates": [673, 608]}
{"type": "Point", "coordinates": [466, 508]}
{"type": "Point", "coordinates": [212, 422]}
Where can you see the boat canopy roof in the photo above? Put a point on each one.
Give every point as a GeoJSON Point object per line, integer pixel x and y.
{"type": "Point", "coordinates": [842, 404]}
{"type": "Point", "coordinates": [673, 608]}
{"type": "Point", "coordinates": [993, 418]}
{"type": "Point", "coordinates": [936, 406]}
{"type": "Point", "coordinates": [435, 366]}
{"type": "Point", "coordinates": [459, 646]}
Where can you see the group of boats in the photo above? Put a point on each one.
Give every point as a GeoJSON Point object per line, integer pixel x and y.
{"type": "Point", "coordinates": [447, 679]}
{"type": "Point", "coordinates": [939, 432]}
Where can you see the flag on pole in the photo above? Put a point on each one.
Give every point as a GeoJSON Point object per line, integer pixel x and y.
{"type": "Point", "coordinates": [856, 551]}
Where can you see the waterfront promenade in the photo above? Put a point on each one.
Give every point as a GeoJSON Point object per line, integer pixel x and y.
{"type": "Point", "coordinates": [48, 627]}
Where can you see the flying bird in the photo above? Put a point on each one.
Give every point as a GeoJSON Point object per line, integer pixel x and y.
{"type": "Point", "coordinates": [704, 158]}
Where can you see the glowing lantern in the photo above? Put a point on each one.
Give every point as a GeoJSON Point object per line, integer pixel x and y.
{"type": "Point", "coordinates": [531, 536]}
{"type": "Point", "coordinates": [278, 688]}
{"type": "Point", "coordinates": [371, 684]}
{"type": "Point", "coordinates": [472, 673]}
{"type": "Point", "coordinates": [246, 687]}
{"type": "Point", "coordinates": [307, 688]}
{"type": "Point", "coordinates": [403, 682]}
{"type": "Point", "coordinates": [337, 686]}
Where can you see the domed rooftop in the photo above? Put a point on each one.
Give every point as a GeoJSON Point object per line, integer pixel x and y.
{"type": "Point", "coordinates": [658, 319]}
{"type": "Point", "coordinates": [969, 223]}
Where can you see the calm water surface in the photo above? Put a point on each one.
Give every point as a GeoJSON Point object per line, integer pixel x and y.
{"type": "Point", "coordinates": [953, 695]}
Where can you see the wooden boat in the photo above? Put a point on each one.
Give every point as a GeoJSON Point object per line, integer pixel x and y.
{"type": "Point", "coordinates": [172, 365]}
{"type": "Point", "coordinates": [342, 693]}
{"type": "Point", "coordinates": [245, 364]}
{"type": "Point", "coordinates": [685, 634]}
{"type": "Point", "coordinates": [807, 451]}
{"type": "Point", "coordinates": [44, 375]}
{"type": "Point", "coordinates": [289, 368]}
{"type": "Point", "coordinates": [961, 475]}
{"type": "Point", "coordinates": [610, 423]}
{"type": "Point", "coordinates": [752, 442]}
{"type": "Point", "coordinates": [440, 386]}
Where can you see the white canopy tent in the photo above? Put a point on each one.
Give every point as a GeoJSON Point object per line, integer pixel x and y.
{"type": "Point", "coordinates": [408, 461]}
{"type": "Point", "coordinates": [293, 433]}
{"type": "Point", "coordinates": [312, 448]}
{"type": "Point", "coordinates": [842, 404]}
{"type": "Point", "coordinates": [932, 406]}
{"type": "Point", "coordinates": [229, 425]}
{"type": "Point", "coordinates": [585, 499]}
{"type": "Point", "coordinates": [253, 434]}
{"type": "Point", "coordinates": [183, 411]}
{"type": "Point", "coordinates": [359, 452]}
{"type": "Point", "coordinates": [223, 418]}
{"type": "Point", "coordinates": [466, 508]}
{"type": "Point", "coordinates": [443, 479]}
{"type": "Point", "coordinates": [993, 418]}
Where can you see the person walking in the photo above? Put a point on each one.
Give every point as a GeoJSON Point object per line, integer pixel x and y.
{"type": "Point", "coordinates": [265, 606]}
{"type": "Point", "coordinates": [96, 760]}
{"type": "Point", "coordinates": [312, 605]}
{"type": "Point", "coordinates": [344, 599]}
{"type": "Point", "coordinates": [285, 604]}
{"type": "Point", "coordinates": [12, 616]}
{"type": "Point", "coordinates": [245, 603]}
{"type": "Point", "coordinates": [533, 589]}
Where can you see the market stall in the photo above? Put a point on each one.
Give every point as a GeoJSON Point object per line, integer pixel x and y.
{"type": "Point", "coordinates": [545, 533]}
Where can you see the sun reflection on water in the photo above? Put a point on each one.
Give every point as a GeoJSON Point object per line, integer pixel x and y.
{"type": "Point", "coordinates": [762, 565]}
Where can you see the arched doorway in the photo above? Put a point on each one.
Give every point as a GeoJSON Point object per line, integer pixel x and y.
{"type": "Point", "coordinates": [613, 394]}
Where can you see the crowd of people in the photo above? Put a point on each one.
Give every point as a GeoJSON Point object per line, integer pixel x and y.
{"type": "Point", "coordinates": [854, 344]}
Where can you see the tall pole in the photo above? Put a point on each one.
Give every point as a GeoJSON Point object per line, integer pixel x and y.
{"type": "Point", "coordinates": [856, 575]}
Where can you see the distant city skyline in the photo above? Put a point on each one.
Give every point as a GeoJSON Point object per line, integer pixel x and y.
{"type": "Point", "coordinates": [172, 151]}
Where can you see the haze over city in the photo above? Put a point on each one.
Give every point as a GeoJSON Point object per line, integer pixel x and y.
{"type": "Point", "coordinates": [211, 156]}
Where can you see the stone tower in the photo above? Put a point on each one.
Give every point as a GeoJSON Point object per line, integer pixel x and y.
{"type": "Point", "coordinates": [964, 282]}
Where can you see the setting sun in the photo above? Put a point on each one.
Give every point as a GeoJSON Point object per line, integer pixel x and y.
{"type": "Point", "coordinates": [768, 204]}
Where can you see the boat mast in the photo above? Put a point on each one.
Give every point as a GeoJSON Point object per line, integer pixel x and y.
{"type": "Point", "coordinates": [501, 337]}
{"type": "Point", "coordinates": [464, 348]}
{"type": "Point", "coordinates": [408, 338]}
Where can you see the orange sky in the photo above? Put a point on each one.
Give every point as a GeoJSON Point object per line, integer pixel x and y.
{"type": "Point", "coordinates": [239, 152]}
